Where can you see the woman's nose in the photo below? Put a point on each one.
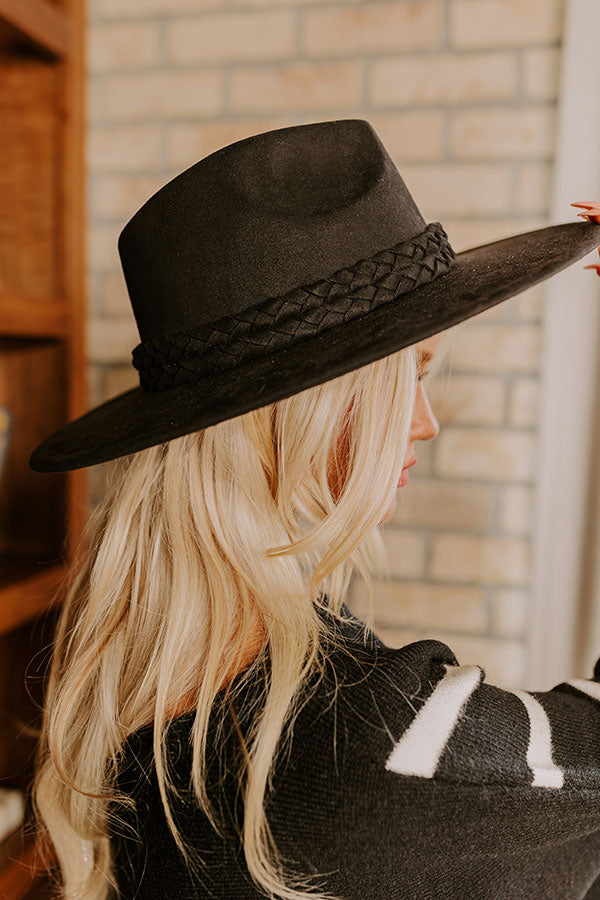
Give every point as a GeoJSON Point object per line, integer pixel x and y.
{"type": "Point", "coordinates": [425, 426]}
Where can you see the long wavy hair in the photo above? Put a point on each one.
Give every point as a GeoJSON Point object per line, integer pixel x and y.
{"type": "Point", "coordinates": [193, 542]}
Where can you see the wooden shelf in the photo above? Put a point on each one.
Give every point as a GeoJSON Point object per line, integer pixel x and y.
{"type": "Point", "coordinates": [45, 27]}
{"type": "Point", "coordinates": [43, 319]}
{"type": "Point", "coordinates": [27, 588]}
{"type": "Point", "coordinates": [43, 307]}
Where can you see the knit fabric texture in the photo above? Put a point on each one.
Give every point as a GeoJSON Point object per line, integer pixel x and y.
{"type": "Point", "coordinates": [420, 781]}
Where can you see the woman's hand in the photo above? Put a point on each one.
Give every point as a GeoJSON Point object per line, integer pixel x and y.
{"type": "Point", "coordinates": [592, 215]}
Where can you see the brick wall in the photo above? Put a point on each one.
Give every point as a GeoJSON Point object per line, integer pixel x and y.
{"type": "Point", "coordinates": [463, 94]}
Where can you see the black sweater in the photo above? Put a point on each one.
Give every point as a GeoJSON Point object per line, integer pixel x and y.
{"type": "Point", "coordinates": [421, 781]}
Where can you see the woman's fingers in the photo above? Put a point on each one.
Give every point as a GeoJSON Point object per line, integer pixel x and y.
{"type": "Point", "coordinates": [593, 210]}
{"type": "Point", "coordinates": [586, 203]}
{"type": "Point", "coordinates": [593, 214]}
{"type": "Point", "coordinates": [595, 266]}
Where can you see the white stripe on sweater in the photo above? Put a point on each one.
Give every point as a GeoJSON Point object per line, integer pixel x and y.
{"type": "Point", "coordinates": [419, 749]}
{"type": "Point", "coordinates": [591, 688]}
{"type": "Point", "coordinates": [546, 773]}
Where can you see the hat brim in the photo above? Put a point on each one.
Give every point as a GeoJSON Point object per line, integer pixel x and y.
{"type": "Point", "coordinates": [480, 278]}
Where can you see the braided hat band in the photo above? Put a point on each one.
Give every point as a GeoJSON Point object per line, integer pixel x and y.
{"type": "Point", "coordinates": [281, 321]}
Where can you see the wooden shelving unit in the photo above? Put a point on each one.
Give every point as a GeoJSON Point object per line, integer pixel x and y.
{"type": "Point", "coordinates": [42, 368]}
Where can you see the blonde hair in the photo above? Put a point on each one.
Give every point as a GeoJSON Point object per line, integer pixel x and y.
{"type": "Point", "coordinates": [192, 542]}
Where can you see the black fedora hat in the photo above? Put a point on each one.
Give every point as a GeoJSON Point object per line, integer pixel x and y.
{"type": "Point", "coordinates": [279, 262]}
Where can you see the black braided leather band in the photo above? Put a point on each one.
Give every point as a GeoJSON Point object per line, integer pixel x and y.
{"type": "Point", "coordinates": [282, 321]}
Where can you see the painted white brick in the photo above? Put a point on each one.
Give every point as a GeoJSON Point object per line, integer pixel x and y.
{"type": "Point", "coordinates": [467, 558]}
{"type": "Point", "coordinates": [509, 611]}
{"type": "Point", "coordinates": [124, 148]}
{"type": "Point", "coordinates": [481, 453]}
{"type": "Point", "coordinates": [473, 232]}
{"type": "Point", "coordinates": [114, 299]}
{"type": "Point", "coordinates": [508, 23]}
{"type": "Point", "coordinates": [231, 37]}
{"type": "Point", "coordinates": [433, 503]}
{"type": "Point", "coordinates": [497, 347]}
{"type": "Point", "coordinates": [468, 399]}
{"type": "Point", "coordinates": [516, 510]}
{"type": "Point", "coordinates": [297, 85]}
{"type": "Point", "coordinates": [101, 245]}
{"type": "Point", "coordinates": [541, 70]}
{"type": "Point", "coordinates": [456, 188]}
{"type": "Point", "coordinates": [187, 142]}
{"type": "Point", "coordinates": [115, 196]}
{"type": "Point", "coordinates": [416, 605]}
{"type": "Point", "coordinates": [120, 378]}
{"type": "Point", "coordinates": [522, 133]}
{"type": "Point", "coordinates": [123, 45]}
{"type": "Point", "coordinates": [372, 27]}
{"type": "Point", "coordinates": [524, 402]}
{"type": "Point", "coordinates": [411, 135]}
{"type": "Point", "coordinates": [111, 340]}
{"type": "Point", "coordinates": [406, 552]}
{"type": "Point", "coordinates": [161, 94]}
{"type": "Point", "coordinates": [534, 187]}
{"type": "Point", "coordinates": [442, 78]}
{"type": "Point", "coordinates": [143, 9]}
{"type": "Point", "coordinates": [528, 306]}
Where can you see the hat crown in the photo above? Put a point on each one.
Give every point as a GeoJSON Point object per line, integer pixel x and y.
{"type": "Point", "coordinates": [279, 262]}
{"type": "Point", "coordinates": [325, 167]}
{"type": "Point", "coordinates": [260, 217]}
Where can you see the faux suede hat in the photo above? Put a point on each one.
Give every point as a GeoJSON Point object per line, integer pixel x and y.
{"type": "Point", "coordinates": [277, 263]}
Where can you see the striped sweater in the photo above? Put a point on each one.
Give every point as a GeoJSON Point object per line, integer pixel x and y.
{"type": "Point", "coordinates": [420, 782]}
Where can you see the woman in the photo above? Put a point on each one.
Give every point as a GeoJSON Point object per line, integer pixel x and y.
{"type": "Point", "coordinates": [217, 722]}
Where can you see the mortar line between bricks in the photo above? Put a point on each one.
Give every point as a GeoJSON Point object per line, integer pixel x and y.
{"type": "Point", "coordinates": [226, 94]}
{"type": "Point", "coordinates": [464, 162]}
{"type": "Point", "coordinates": [427, 552]}
{"type": "Point", "coordinates": [410, 625]}
{"type": "Point", "coordinates": [456, 530]}
{"type": "Point", "coordinates": [445, 43]}
{"type": "Point", "coordinates": [227, 10]}
{"type": "Point", "coordinates": [474, 106]}
{"type": "Point", "coordinates": [298, 34]}
{"type": "Point", "coordinates": [488, 592]}
{"type": "Point", "coordinates": [99, 120]}
{"type": "Point", "coordinates": [507, 402]}
{"type": "Point", "coordinates": [284, 60]}
{"type": "Point", "coordinates": [520, 81]}
{"type": "Point", "coordinates": [455, 219]}
{"type": "Point", "coordinates": [496, 504]}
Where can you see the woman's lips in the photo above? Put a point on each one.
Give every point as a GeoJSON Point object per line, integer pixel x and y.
{"type": "Point", "coordinates": [404, 475]}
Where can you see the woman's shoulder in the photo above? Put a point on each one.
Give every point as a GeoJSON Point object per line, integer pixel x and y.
{"type": "Point", "coordinates": [419, 715]}
{"type": "Point", "coordinates": [365, 698]}
{"type": "Point", "coordinates": [362, 681]}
